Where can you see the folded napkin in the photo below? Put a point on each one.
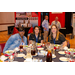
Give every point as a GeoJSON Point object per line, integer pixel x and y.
{"type": "Point", "coordinates": [55, 48]}
{"type": "Point", "coordinates": [39, 47]}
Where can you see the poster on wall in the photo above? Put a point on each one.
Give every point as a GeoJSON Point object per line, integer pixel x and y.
{"type": "Point", "coordinates": [26, 19]}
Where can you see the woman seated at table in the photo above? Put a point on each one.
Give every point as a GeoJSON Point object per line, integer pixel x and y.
{"type": "Point", "coordinates": [16, 40]}
{"type": "Point", "coordinates": [56, 37]}
{"type": "Point", "coordinates": [36, 35]}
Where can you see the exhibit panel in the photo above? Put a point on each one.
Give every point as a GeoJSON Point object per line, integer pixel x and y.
{"type": "Point", "coordinates": [22, 18]}
{"type": "Point", "coordinates": [60, 15]}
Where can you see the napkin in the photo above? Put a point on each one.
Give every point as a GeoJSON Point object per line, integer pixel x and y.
{"type": "Point", "coordinates": [39, 47]}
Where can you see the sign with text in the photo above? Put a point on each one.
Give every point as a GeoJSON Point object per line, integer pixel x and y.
{"type": "Point", "coordinates": [22, 17]}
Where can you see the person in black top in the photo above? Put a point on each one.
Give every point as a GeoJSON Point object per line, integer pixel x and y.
{"type": "Point", "coordinates": [36, 35]}
{"type": "Point", "coordinates": [56, 37]}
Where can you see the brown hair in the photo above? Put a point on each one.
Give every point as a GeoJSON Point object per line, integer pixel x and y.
{"type": "Point", "coordinates": [57, 33]}
{"type": "Point", "coordinates": [38, 28]}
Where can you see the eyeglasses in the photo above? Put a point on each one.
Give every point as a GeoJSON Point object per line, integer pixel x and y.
{"type": "Point", "coordinates": [36, 29]}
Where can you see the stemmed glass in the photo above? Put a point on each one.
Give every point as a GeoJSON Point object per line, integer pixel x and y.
{"type": "Point", "coordinates": [11, 57]}
{"type": "Point", "coordinates": [52, 49]}
{"type": "Point", "coordinates": [47, 44]}
{"type": "Point", "coordinates": [71, 55]}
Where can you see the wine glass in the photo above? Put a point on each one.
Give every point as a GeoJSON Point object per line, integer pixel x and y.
{"type": "Point", "coordinates": [28, 50]}
{"type": "Point", "coordinates": [11, 58]}
{"type": "Point", "coordinates": [71, 54]}
{"type": "Point", "coordinates": [47, 45]}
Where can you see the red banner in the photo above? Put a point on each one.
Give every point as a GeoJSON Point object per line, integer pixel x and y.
{"type": "Point", "coordinates": [61, 18]}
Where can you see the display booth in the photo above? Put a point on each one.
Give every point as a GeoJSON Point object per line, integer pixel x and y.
{"type": "Point", "coordinates": [33, 17]}
{"type": "Point", "coordinates": [60, 15]}
{"type": "Point", "coordinates": [22, 18]}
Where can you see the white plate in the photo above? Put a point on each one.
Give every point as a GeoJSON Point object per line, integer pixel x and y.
{"type": "Point", "coordinates": [15, 61]}
{"type": "Point", "coordinates": [16, 49]}
{"type": "Point", "coordinates": [9, 52]}
{"type": "Point", "coordinates": [25, 46]}
{"type": "Point", "coordinates": [21, 55]}
{"type": "Point", "coordinates": [3, 58]}
{"type": "Point", "coordinates": [65, 48]}
{"type": "Point", "coordinates": [57, 45]}
{"type": "Point", "coordinates": [63, 59]}
{"type": "Point", "coordinates": [30, 60]}
{"type": "Point", "coordinates": [42, 52]}
{"type": "Point", "coordinates": [53, 56]}
{"type": "Point", "coordinates": [61, 52]}
{"type": "Point", "coordinates": [38, 44]}
{"type": "Point", "coordinates": [40, 48]}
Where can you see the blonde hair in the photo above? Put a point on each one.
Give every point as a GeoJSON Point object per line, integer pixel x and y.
{"type": "Point", "coordinates": [57, 33]}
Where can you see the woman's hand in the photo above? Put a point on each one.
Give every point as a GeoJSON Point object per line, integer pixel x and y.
{"type": "Point", "coordinates": [64, 43]}
{"type": "Point", "coordinates": [41, 41]}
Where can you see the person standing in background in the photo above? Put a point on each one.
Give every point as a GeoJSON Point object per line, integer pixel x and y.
{"type": "Point", "coordinates": [29, 24]}
{"type": "Point", "coordinates": [45, 26]}
{"type": "Point", "coordinates": [57, 23]}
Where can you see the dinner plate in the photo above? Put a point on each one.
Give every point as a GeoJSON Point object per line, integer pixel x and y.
{"type": "Point", "coordinates": [31, 60]}
{"type": "Point", "coordinates": [38, 44]}
{"type": "Point", "coordinates": [65, 48]}
{"type": "Point", "coordinates": [64, 59]}
{"type": "Point", "coordinates": [3, 58]}
{"type": "Point", "coordinates": [15, 61]}
{"type": "Point", "coordinates": [53, 56]}
{"type": "Point", "coordinates": [40, 48]}
{"type": "Point", "coordinates": [16, 49]}
{"type": "Point", "coordinates": [25, 46]}
{"type": "Point", "coordinates": [42, 52]}
{"type": "Point", "coordinates": [61, 52]}
{"type": "Point", "coordinates": [9, 52]}
{"type": "Point", "coordinates": [57, 45]}
{"type": "Point", "coordinates": [21, 55]}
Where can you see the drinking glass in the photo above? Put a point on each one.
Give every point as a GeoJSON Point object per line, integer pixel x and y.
{"type": "Point", "coordinates": [11, 58]}
{"type": "Point", "coordinates": [71, 54]}
{"type": "Point", "coordinates": [52, 49]}
{"type": "Point", "coordinates": [28, 50]}
{"type": "Point", "coordinates": [47, 44]}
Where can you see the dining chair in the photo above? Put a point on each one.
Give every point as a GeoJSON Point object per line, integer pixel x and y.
{"type": "Point", "coordinates": [2, 47]}
{"type": "Point", "coordinates": [68, 44]}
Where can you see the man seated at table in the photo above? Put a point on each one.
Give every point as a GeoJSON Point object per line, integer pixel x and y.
{"type": "Point", "coordinates": [56, 37]}
{"type": "Point", "coordinates": [36, 35]}
{"type": "Point", "coordinates": [56, 22]}
{"type": "Point", "coordinates": [16, 40]}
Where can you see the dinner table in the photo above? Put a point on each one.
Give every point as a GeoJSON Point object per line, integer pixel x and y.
{"type": "Point", "coordinates": [39, 58]}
